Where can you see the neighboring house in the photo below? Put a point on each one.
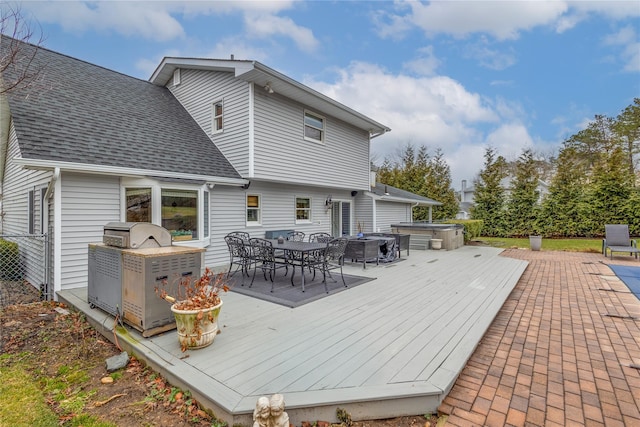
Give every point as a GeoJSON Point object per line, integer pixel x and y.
{"type": "Point", "coordinates": [204, 148]}
{"type": "Point", "coordinates": [466, 195]}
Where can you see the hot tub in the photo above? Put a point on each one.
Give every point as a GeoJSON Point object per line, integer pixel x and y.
{"type": "Point", "coordinates": [452, 235]}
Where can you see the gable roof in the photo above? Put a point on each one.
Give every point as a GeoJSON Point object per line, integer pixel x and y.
{"type": "Point", "coordinates": [80, 116]}
{"type": "Point", "coordinates": [388, 193]}
{"type": "Point", "coordinates": [261, 75]}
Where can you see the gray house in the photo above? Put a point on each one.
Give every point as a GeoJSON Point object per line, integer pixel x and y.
{"type": "Point", "coordinates": [203, 148]}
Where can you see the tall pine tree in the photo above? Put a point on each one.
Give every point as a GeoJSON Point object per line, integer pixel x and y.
{"type": "Point", "coordinates": [522, 206]}
{"type": "Point", "coordinates": [489, 196]}
{"type": "Point", "coordinates": [565, 211]}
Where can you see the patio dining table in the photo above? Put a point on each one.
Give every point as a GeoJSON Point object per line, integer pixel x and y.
{"type": "Point", "coordinates": [299, 254]}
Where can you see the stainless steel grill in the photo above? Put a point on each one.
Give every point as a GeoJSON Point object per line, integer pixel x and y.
{"type": "Point", "coordinates": [135, 235]}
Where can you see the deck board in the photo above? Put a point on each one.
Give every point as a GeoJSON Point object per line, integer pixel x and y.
{"type": "Point", "coordinates": [392, 346]}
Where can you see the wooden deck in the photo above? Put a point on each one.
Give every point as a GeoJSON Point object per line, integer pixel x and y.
{"type": "Point", "coordinates": [393, 346]}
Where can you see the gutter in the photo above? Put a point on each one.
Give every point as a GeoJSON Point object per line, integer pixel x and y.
{"type": "Point", "coordinates": [120, 171]}
{"type": "Point", "coordinates": [52, 183]}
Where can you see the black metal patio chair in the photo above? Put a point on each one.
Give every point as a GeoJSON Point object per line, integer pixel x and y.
{"type": "Point", "coordinates": [320, 237]}
{"type": "Point", "coordinates": [240, 256]}
{"type": "Point", "coordinates": [332, 258]}
{"type": "Point", "coordinates": [264, 257]}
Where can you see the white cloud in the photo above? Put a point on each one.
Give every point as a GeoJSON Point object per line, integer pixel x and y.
{"type": "Point", "coordinates": [510, 139]}
{"type": "Point", "coordinates": [627, 39]}
{"type": "Point", "coordinates": [502, 19]}
{"type": "Point", "coordinates": [155, 20]}
{"type": "Point", "coordinates": [260, 26]}
{"type": "Point", "coordinates": [487, 57]}
{"type": "Point", "coordinates": [425, 64]}
{"type": "Point", "coordinates": [125, 18]}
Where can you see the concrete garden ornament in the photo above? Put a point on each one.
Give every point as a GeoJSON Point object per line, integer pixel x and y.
{"type": "Point", "coordinates": [270, 412]}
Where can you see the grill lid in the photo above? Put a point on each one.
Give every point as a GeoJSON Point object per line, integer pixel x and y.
{"type": "Point", "coordinates": [135, 235]}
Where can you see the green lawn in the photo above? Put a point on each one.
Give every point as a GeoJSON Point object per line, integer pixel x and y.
{"type": "Point", "coordinates": [571, 245]}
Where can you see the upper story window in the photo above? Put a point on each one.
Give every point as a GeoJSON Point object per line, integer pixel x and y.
{"type": "Point", "coordinates": [218, 117]}
{"type": "Point", "coordinates": [303, 209]}
{"type": "Point", "coordinates": [253, 209]}
{"type": "Point", "coordinates": [181, 209]}
{"type": "Point", "coordinates": [313, 127]}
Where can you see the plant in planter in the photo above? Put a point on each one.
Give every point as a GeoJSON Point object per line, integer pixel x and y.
{"type": "Point", "coordinates": [196, 307]}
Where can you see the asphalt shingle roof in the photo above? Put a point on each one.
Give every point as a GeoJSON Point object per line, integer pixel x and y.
{"type": "Point", "coordinates": [83, 113]}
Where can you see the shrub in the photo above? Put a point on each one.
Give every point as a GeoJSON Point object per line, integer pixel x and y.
{"type": "Point", "coordinates": [472, 227]}
{"type": "Point", "coordinates": [10, 265]}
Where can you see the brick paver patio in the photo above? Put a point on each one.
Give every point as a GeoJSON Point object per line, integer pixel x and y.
{"type": "Point", "coordinates": [560, 352]}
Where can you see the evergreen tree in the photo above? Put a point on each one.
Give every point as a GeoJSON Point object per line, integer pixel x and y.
{"type": "Point", "coordinates": [627, 126]}
{"type": "Point", "coordinates": [564, 209]}
{"type": "Point", "coordinates": [522, 206]}
{"type": "Point", "coordinates": [489, 195]}
{"type": "Point", "coordinates": [420, 174]}
{"type": "Point", "coordinates": [438, 187]}
{"type": "Point", "coordinates": [610, 191]}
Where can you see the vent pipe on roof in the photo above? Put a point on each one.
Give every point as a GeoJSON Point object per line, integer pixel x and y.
{"type": "Point", "coordinates": [232, 57]}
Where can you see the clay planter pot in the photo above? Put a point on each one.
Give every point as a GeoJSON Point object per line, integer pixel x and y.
{"type": "Point", "coordinates": [196, 328]}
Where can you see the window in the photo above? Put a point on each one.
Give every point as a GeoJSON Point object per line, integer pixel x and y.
{"type": "Point", "coordinates": [180, 213]}
{"type": "Point", "coordinates": [313, 127]}
{"type": "Point", "coordinates": [206, 213]}
{"type": "Point", "coordinates": [253, 209]}
{"type": "Point", "coordinates": [182, 209]}
{"type": "Point", "coordinates": [303, 209]}
{"type": "Point", "coordinates": [138, 203]}
{"type": "Point", "coordinates": [31, 217]}
{"type": "Point", "coordinates": [218, 109]}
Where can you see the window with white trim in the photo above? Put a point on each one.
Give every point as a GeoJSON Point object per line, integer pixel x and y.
{"type": "Point", "coordinates": [217, 117]}
{"type": "Point", "coordinates": [303, 209]}
{"type": "Point", "coordinates": [181, 209]}
{"type": "Point", "coordinates": [253, 209]}
{"type": "Point", "coordinates": [313, 127]}
{"type": "Point", "coordinates": [138, 204]}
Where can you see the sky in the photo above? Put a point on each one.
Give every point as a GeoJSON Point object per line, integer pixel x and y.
{"type": "Point", "coordinates": [456, 76]}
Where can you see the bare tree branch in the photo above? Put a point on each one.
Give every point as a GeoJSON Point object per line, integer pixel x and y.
{"type": "Point", "coordinates": [18, 50]}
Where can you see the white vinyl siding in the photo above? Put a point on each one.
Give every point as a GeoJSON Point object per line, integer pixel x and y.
{"type": "Point", "coordinates": [88, 203]}
{"type": "Point", "coordinates": [282, 153]}
{"type": "Point", "coordinates": [18, 182]}
{"type": "Point", "coordinates": [22, 210]}
{"type": "Point", "coordinates": [388, 213]}
{"type": "Point", "coordinates": [228, 205]}
{"type": "Point", "coordinates": [363, 214]}
{"type": "Point", "coordinates": [197, 92]}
